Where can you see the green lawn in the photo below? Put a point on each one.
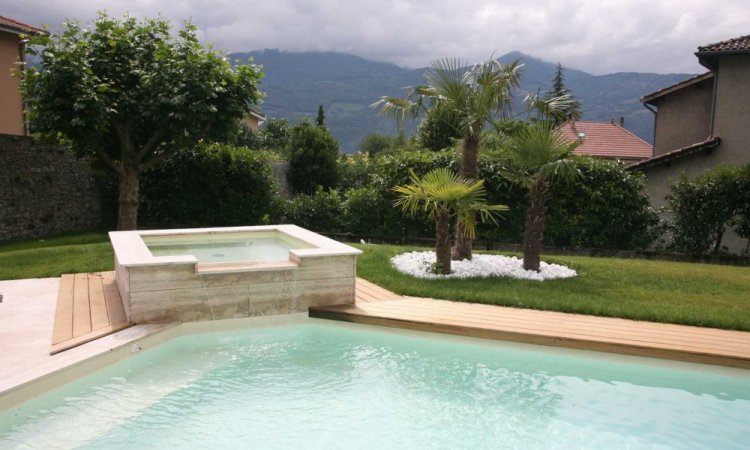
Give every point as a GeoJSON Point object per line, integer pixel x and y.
{"type": "Point", "coordinates": [659, 291]}
{"type": "Point", "coordinates": [695, 294]}
{"type": "Point", "coordinates": [39, 258]}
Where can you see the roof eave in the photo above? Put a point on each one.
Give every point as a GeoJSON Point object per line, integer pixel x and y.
{"type": "Point", "coordinates": [709, 59]}
{"type": "Point", "coordinates": [650, 98]}
{"type": "Point", "coordinates": [19, 31]}
{"type": "Point", "coordinates": [675, 154]}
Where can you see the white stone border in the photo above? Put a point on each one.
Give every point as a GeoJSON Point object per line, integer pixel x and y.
{"type": "Point", "coordinates": [417, 264]}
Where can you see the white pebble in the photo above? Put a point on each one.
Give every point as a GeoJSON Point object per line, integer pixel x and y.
{"type": "Point", "coordinates": [418, 264]}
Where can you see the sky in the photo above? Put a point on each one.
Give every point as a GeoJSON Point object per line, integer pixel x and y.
{"type": "Point", "coordinates": [598, 36]}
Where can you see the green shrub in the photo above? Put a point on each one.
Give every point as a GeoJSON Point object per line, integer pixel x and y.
{"type": "Point", "coordinates": [313, 158]}
{"type": "Point", "coordinates": [210, 185]}
{"type": "Point", "coordinates": [320, 211]}
{"type": "Point", "coordinates": [703, 210]}
{"type": "Point", "coordinates": [607, 208]}
{"type": "Point", "coordinates": [355, 171]}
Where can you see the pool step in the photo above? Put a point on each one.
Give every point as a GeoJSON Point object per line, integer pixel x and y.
{"type": "Point", "coordinates": [88, 307]}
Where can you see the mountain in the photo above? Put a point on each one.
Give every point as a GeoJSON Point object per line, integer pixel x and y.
{"type": "Point", "coordinates": [296, 83]}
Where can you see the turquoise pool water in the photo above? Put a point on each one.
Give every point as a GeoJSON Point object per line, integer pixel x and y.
{"type": "Point", "coordinates": [316, 385]}
{"type": "Point", "coordinates": [219, 251]}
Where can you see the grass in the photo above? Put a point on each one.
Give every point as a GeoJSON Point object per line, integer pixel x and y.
{"type": "Point", "coordinates": [39, 258]}
{"type": "Point", "coordinates": [659, 291]}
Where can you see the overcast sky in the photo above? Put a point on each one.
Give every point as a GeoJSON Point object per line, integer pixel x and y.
{"type": "Point", "coordinates": [599, 36]}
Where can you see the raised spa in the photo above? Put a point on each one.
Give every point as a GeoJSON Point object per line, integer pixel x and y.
{"type": "Point", "coordinates": [220, 273]}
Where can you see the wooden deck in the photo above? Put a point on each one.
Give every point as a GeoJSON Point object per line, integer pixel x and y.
{"type": "Point", "coordinates": [88, 307]}
{"type": "Point", "coordinates": [378, 306]}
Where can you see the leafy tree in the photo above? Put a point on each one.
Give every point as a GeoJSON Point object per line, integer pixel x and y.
{"type": "Point", "coordinates": [437, 131]}
{"type": "Point", "coordinates": [537, 156]}
{"type": "Point", "coordinates": [319, 211]}
{"type": "Point", "coordinates": [375, 143]}
{"type": "Point", "coordinates": [209, 185]}
{"type": "Point", "coordinates": [247, 137]}
{"type": "Point", "coordinates": [131, 94]}
{"type": "Point", "coordinates": [320, 120]}
{"type": "Point", "coordinates": [313, 159]}
{"type": "Point", "coordinates": [572, 109]}
{"type": "Point", "coordinates": [702, 210]}
{"type": "Point", "coordinates": [276, 134]}
{"type": "Point", "coordinates": [443, 195]}
{"type": "Point", "coordinates": [475, 95]}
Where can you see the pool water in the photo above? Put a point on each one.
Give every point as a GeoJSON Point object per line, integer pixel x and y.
{"type": "Point", "coordinates": [229, 250]}
{"type": "Point", "coordinates": [319, 385]}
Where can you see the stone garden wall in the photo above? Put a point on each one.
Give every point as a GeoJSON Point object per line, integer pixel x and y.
{"type": "Point", "coordinates": [44, 190]}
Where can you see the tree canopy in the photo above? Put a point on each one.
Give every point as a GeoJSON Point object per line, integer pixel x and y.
{"type": "Point", "coordinates": [559, 92]}
{"type": "Point", "coordinates": [131, 94]}
{"type": "Point", "coordinates": [313, 158]}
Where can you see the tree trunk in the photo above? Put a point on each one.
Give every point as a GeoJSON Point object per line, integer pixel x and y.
{"type": "Point", "coordinates": [127, 217]}
{"type": "Point", "coordinates": [533, 232]}
{"type": "Point", "coordinates": [443, 238]}
{"type": "Point", "coordinates": [469, 170]}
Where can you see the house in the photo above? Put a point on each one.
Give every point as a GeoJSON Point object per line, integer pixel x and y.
{"type": "Point", "coordinates": [254, 119]}
{"type": "Point", "coordinates": [11, 52]}
{"type": "Point", "coordinates": [701, 122]}
{"type": "Point", "coordinates": [606, 140]}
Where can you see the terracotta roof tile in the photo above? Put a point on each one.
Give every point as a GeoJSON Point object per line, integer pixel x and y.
{"type": "Point", "coordinates": [19, 27]}
{"type": "Point", "coordinates": [606, 140]}
{"type": "Point", "coordinates": [679, 153]}
{"type": "Point", "coordinates": [730, 45]}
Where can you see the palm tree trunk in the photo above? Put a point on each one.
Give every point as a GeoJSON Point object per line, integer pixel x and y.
{"type": "Point", "coordinates": [443, 238]}
{"type": "Point", "coordinates": [469, 170]}
{"type": "Point", "coordinates": [127, 217]}
{"type": "Point", "coordinates": [533, 233]}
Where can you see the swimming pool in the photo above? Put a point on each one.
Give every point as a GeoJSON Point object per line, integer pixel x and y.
{"type": "Point", "coordinates": [330, 385]}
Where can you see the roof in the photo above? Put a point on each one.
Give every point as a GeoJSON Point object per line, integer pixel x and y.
{"type": "Point", "coordinates": [708, 55]}
{"type": "Point", "coordinates": [741, 43]}
{"type": "Point", "coordinates": [606, 140]}
{"type": "Point", "coordinates": [698, 147]}
{"type": "Point", "coordinates": [258, 115]}
{"type": "Point", "coordinates": [649, 98]}
{"type": "Point", "coordinates": [13, 26]}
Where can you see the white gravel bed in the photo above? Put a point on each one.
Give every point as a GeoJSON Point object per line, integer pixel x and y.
{"type": "Point", "coordinates": [418, 264]}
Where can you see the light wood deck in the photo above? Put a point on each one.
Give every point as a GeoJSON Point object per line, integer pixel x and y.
{"type": "Point", "coordinates": [88, 307]}
{"type": "Point", "coordinates": [377, 306]}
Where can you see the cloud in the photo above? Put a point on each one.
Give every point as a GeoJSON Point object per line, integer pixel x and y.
{"type": "Point", "coordinates": [599, 36]}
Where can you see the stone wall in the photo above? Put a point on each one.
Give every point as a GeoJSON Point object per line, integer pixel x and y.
{"type": "Point", "coordinates": [44, 190]}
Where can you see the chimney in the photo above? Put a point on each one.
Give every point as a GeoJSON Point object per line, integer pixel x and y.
{"type": "Point", "coordinates": [612, 121]}
{"type": "Point", "coordinates": [622, 121]}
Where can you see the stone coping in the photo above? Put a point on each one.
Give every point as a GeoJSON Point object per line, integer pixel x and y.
{"type": "Point", "coordinates": [131, 250]}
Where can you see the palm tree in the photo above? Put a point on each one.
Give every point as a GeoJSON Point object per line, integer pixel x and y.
{"type": "Point", "coordinates": [537, 156]}
{"type": "Point", "coordinates": [443, 195]}
{"type": "Point", "coordinates": [474, 94]}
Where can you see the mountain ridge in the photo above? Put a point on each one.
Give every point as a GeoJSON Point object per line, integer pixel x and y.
{"type": "Point", "coordinates": [345, 84]}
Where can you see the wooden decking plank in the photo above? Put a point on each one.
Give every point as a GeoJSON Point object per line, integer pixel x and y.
{"type": "Point", "coordinates": [570, 331]}
{"type": "Point", "coordinates": [88, 337]}
{"type": "Point", "coordinates": [89, 307]}
{"type": "Point", "coordinates": [730, 361]}
{"type": "Point", "coordinates": [592, 325]}
{"type": "Point", "coordinates": [115, 309]}
{"type": "Point", "coordinates": [81, 307]}
{"type": "Point", "coordinates": [62, 329]}
{"type": "Point", "coordinates": [558, 318]}
{"type": "Point", "coordinates": [375, 290]}
{"type": "Point", "coordinates": [99, 317]}
{"type": "Point", "coordinates": [671, 341]}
